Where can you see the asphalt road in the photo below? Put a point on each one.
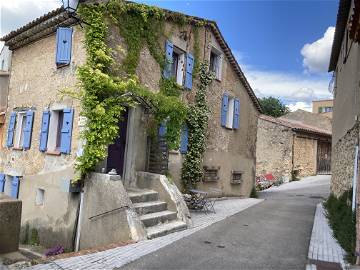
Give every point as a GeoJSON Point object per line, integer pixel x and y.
{"type": "Point", "coordinates": [274, 234]}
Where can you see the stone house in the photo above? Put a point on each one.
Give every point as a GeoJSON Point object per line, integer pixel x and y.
{"type": "Point", "coordinates": [287, 147]}
{"type": "Point", "coordinates": [344, 63]}
{"type": "Point", "coordinates": [42, 140]}
{"type": "Point", "coordinates": [323, 107]}
{"type": "Point", "coordinates": [5, 63]}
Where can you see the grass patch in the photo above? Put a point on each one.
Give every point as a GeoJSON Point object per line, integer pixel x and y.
{"type": "Point", "coordinates": [343, 223]}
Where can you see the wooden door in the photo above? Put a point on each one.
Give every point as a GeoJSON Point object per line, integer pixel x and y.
{"type": "Point", "coordinates": [116, 151]}
{"type": "Point", "coordinates": [324, 157]}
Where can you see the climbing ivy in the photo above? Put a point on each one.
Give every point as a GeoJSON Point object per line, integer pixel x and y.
{"type": "Point", "coordinates": [197, 123]}
{"type": "Point", "coordinates": [105, 91]}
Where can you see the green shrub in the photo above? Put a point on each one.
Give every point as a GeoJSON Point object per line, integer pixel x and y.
{"type": "Point", "coordinates": [342, 220]}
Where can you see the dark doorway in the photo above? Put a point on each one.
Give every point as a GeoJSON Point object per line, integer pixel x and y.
{"type": "Point", "coordinates": [324, 158]}
{"type": "Point", "coordinates": [116, 151]}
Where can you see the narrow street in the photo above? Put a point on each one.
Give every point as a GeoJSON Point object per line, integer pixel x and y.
{"type": "Point", "coordinates": [274, 234]}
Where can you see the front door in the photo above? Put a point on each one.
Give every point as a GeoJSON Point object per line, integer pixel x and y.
{"type": "Point", "coordinates": [324, 158]}
{"type": "Point", "coordinates": [116, 151]}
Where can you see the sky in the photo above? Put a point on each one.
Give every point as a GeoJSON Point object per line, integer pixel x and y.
{"type": "Point", "coordinates": [282, 46]}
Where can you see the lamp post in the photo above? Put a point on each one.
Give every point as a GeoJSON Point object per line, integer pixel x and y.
{"type": "Point", "coordinates": [70, 5]}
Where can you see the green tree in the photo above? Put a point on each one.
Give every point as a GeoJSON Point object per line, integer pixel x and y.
{"type": "Point", "coordinates": [273, 106]}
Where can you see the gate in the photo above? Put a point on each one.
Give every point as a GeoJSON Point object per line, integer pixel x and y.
{"type": "Point", "coordinates": [324, 158]}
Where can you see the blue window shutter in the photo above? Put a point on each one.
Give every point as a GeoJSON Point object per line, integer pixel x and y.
{"type": "Point", "coordinates": [184, 140]}
{"type": "Point", "coordinates": [63, 45]}
{"type": "Point", "coordinates": [236, 118]}
{"type": "Point", "coordinates": [66, 131]}
{"type": "Point", "coordinates": [189, 70]}
{"type": "Point", "coordinates": [2, 182]}
{"type": "Point", "coordinates": [162, 129]}
{"type": "Point", "coordinates": [44, 130]}
{"type": "Point", "coordinates": [15, 183]}
{"type": "Point", "coordinates": [11, 130]}
{"type": "Point", "coordinates": [224, 109]}
{"type": "Point", "coordinates": [169, 49]}
{"type": "Point", "coordinates": [28, 129]}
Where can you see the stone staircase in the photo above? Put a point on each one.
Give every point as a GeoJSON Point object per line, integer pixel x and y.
{"type": "Point", "coordinates": [154, 214]}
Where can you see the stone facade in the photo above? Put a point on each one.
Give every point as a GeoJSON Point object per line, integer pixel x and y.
{"type": "Point", "coordinates": [343, 153]}
{"type": "Point", "coordinates": [305, 150]}
{"type": "Point", "coordinates": [274, 149]}
{"type": "Point", "coordinates": [38, 88]}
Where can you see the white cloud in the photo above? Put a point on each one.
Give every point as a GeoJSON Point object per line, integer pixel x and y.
{"type": "Point", "coordinates": [16, 13]}
{"type": "Point", "coordinates": [317, 54]}
{"type": "Point", "coordinates": [300, 106]}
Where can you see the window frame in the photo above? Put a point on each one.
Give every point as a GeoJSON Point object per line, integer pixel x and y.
{"type": "Point", "coordinates": [54, 132]}
{"type": "Point", "coordinates": [218, 66]}
{"type": "Point", "coordinates": [19, 130]}
{"type": "Point", "coordinates": [180, 67]}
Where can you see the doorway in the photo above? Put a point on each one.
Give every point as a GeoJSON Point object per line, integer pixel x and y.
{"type": "Point", "coordinates": [324, 157]}
{"type": "Point", "coordinates": [116, 151]}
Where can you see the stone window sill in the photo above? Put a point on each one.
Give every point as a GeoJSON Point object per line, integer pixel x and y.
{"type": "Point", "coordinates": [18, 148]}
{"type": "Point", "coordinates": [53, 153]}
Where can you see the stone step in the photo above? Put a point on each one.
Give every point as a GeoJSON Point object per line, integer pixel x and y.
{"type": "Point", "coordinates": [150, 207]}
{"type": "Point", "coordinates": [143, 195]}
{"type": "Point", "coordinates": [165, 228]}
{"type": "Point", "coordinates": [153, 219]}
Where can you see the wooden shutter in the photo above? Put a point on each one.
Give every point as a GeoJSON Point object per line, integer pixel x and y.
{"type": "Point", "coordinates": [66, 131]}
{"type": "Point", "coordinates": [189, 70]}
{"type": "Point", "coordinates": [184, 140]}
{"type": "Point", "coordinates": [15, 183]}
{"type": "Point", "coordinates": [162, 129]}
{"type": "Point", "coordinates": [2, 182]}
{"type": "Point", "coordinates": [236, 119]}
{"type": "Point", "coordinates": [63, 45]}
{"type": "Point", "coordinates": [28, 129]}
{"type": "Point", "coordinates": [45, 122]}
{"type": "Point", "coordinates": [169, 49]}
{"type": "Point", "coordinates": [224, 109]}
{"type": "Point", "coordinates": [11, 130]}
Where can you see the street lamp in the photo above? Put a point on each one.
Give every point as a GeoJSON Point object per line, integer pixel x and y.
{"type": "Point", "coordinates": [70, 5]}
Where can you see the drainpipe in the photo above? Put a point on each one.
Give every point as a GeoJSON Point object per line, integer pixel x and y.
{"type": "Point", "coordinates": [355, 178]}
{"type": "Point", "coordinates": [78, 227]}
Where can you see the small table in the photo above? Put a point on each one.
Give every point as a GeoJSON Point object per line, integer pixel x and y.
{"type": "Point", "coordinates": [200, 201]}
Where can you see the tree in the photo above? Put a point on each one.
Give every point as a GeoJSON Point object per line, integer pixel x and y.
{"type": "Point", "coordinates": [273, 107]}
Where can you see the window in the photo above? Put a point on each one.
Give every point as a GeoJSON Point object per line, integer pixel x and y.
{"type": "Point", "coordinates": [19, 130]}
{"type": "Point", "coordinates": [56, 122]}
{"type": "Point", "coordinates": [216, 63]}
{"type": "Point", "coordinates": [177, 66]}
{"type": "Point", "coordinates": [56, 131]}
{"type": "Point", "coordinates": [230, 112]}
{"type": "Point", "coordinates": [40, 197]}
{"type": "Point", "coordinates": [320, 109]}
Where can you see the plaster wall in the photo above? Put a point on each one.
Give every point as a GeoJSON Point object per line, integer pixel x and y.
{"type": "Point", "coordinates": [320, 104]}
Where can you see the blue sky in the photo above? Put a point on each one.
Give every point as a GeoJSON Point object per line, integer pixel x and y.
{"type": "Point", "coordinates": [282, 46]}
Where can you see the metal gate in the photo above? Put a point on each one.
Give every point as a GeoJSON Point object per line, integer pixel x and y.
{"type": "Point", "coordinates": [324, 158]}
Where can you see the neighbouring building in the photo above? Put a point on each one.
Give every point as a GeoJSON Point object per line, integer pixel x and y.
{"type": "Point", "coordinates": [42, 140]}
{"type": "Point", "coordinates": [344, 63]}
{"type": "Point", "coordinates": [5, 63]}
{"type": "Point", "coordinates": [288, 148]}
{"type": "Point", "coordinates": [324, 107]}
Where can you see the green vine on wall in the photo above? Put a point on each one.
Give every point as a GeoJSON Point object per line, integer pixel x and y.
{"type": "Point", "coordinates": [197, 122]}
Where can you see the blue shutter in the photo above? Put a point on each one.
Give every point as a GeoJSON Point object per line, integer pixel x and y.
{"type": "Point", "coordinates": [63, 45]}
{"type": "Point", "coordinates": [224, 109]}
{"type": "Point", "coordinates": [15, 183]}
{"type": "Point", "coordinates": [66, 131]}
{"type": "Point", "coordinates": [11, 130]}
{"type": "Point", "coordinates": [2, 182]}
{"type": "Point", "coordinates": [28, 129]}
{"type": "Point", "coordinates": [236, 118]}
{"type": "Point", "coordinates": [162, 129]}
{"type": "Point", "coordinates": [44, 130]}
{"type": "Point", "coordinates": [189, 70]}
{"type": "Point", "coordinates": [169, 48]}
{"type": "Point", "coordinates": [184, 140]}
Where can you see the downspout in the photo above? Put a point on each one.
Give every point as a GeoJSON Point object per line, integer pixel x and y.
{"type": "Point", "coordinates": [78, 226]}
{"type": "Point", "coordinates": [355, 178]}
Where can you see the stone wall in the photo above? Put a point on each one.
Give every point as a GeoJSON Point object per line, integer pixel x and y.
{"type": "Point", "coordinates": [342, 164]}
{"type": "Point", "coordinates": [274, 149]}
{"type": "Point", "coordinates": [305, 151]}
